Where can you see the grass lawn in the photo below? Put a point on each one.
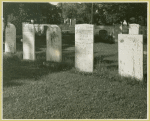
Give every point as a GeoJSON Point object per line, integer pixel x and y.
{"type": "Point", "coordinates": [32, 90]}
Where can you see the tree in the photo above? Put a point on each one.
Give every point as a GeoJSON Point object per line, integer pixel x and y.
{"type": "Point", "coordinates": [17, 13]}
{"type": "Point", "coordinates": [76, 10]}
{"type": "Point", "coordinates": [110, 13]}
{"type": "Point", "coordinates": [28, 11]}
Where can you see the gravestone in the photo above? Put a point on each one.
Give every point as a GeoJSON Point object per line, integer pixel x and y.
{"type": "Point", "coordinates": [125, 29]}
{"type": "Point", "coordinates": [10, 38]}
{"type": "Point", "coordinates": [134, 29]}
{"type": "Point", "coordinates": [36, 28]}
{"type": "Point", "coordinates": [84, 45]}
{"type": "Point", "coordinates": [73, 22]}
{"type": "Point", "coordinates": [28, 41]}
{"type": "Point", "coordinates": [117, 30]}
{"type": "Point", "coordinates": [124, 22]}
{"type": "Point", "coordinates": [130, 49]}
{"type": "Point", "coordinates": [72, 29]}
{"type": "Point", "coordinates": [54, 44]}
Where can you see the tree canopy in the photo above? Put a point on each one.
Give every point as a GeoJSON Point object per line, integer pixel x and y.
{"type": "Point", "coordinates": [103, 13]}
{"type": "Point", "coordinates": [35, 11]}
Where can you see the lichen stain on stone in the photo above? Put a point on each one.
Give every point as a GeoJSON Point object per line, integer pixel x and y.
{"type": "Point", "coordinates": [121, 40]}
{"type": "Point", "coordinates": [54, 36]}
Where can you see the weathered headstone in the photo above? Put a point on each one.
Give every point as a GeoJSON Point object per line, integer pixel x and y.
{"type": "Point", "coordinates": [134, 29]}
{"type": "Point", "coordinates": [103, 34]}
{"type": "Point", "coordinates": [124, 22]}
{"type": "Point", "coordinates": [130, 49]}
{"type": "Point", "coordinates": [54, 44]}
{"type": "Point", "coordinates": [72, 29]}
{"type": "Point", "coordinates": [117, 30]}
{"type": "Point", "coordinates": [84, 45]}
{"type": "Point", "coordinates": [28, 41]}
{"type": "Point", "coordinates": [125, 29]}
{"type": "Point", "coordinates": [36, 28]}
{"type": "Point", "coordinates": [40, 28]}
{"type": "Point", "coordinates": [10, 38]}
{"type": "Point", "coordinates": [73, 22]}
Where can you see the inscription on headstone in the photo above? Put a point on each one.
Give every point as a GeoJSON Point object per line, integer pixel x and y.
{"type": "Point", "coordinates": [10, 38]}
{"type": "Point", "coordinates": [54, 44]}
{"type": "Point", "coordinates": [130, 49]}
{"type": "Point", "coordinates": [84, 53]}
{"type": "Point", "coordinates": [28, 42]}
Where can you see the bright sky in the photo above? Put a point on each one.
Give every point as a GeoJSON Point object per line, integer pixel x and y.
{"type": "Point", "coordinates": [54, 3]}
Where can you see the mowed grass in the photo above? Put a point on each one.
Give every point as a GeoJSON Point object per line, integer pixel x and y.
{"type": "Point", "coordinates": [33, 90]}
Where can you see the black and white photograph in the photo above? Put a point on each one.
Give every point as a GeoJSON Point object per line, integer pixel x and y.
{"type": "Point", "coordinates": [75, 60]}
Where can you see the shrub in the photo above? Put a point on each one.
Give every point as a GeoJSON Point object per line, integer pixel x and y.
{"type": "Point", "coordinates": [104, 37]}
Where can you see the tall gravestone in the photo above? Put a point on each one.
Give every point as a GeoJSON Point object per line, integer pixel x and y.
{"type": "Point", "coordinates": [28, 41]}
{"type": "Point", "coordinates": [134, 29]}
{"type": "Point", "coordinates": [10, 38]}
{"type": "Point", "coordinates": [84, 47]}
{"type": "Point", "coordinates": [130, 49]}
{"type": "Point", "coordinates": [54, 44]}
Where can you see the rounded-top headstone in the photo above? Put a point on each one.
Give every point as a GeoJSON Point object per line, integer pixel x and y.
{"type": "Point", "coordinates": [28, 41]}
{"type": "Point", "coordinates": [54, 44]}
{"type": "Point", "coordinates": [10, 38]}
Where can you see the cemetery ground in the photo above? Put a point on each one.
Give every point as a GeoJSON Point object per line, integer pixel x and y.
{"type": "Point", "coordinates": [48, 90]}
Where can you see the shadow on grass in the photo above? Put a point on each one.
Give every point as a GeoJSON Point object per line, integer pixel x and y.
{"type": "Point", "coordinates": [14, 69]}
{"type": "Point", "coordinates": [129, 80]}
{"type": "Point", "coordinates": [68, 41]}
{"type": "Point", "coordinates": [101, 59]}
{"type": "Point", "coordinates": [105, 39]}
{"type": "Point", "coordinates": [68, 55]}
{"type": "Point", "coordinates": [112, 67]}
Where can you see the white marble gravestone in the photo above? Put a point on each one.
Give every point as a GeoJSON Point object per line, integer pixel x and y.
{"type": "Point", "coordinates": [84, 47]}
{"type": "Point", "coordinates": [10, 38]}
{"type": "Point", "coordinates": [54, 44]}
{"type": "Point", "coordinates": [130, 49]}
{"type": "Point", "coordinates": [134, 29]}
{"type": "Point", "coordinates": [28, 41]}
